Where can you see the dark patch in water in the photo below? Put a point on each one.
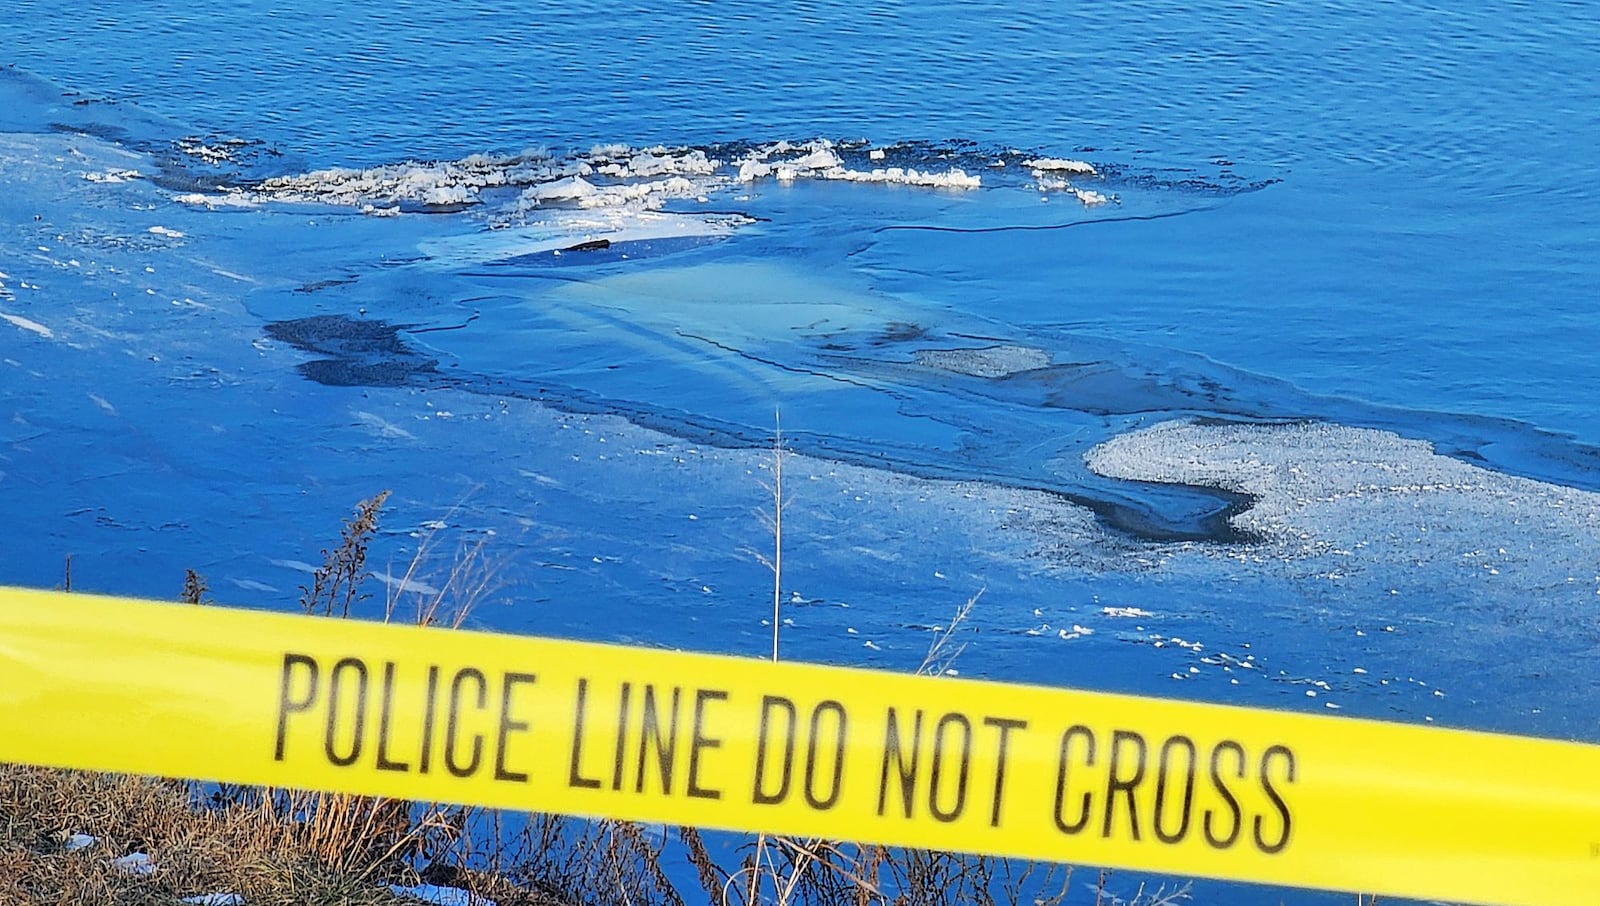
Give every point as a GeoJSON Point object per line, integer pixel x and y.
{"type": "Point", "coordinates": [357, 353]}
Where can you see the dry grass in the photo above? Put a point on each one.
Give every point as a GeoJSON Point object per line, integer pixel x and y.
{"type": "Point", "coordinates": [336, 584]}
{"type": "Point", "coordinates": [194, 852]}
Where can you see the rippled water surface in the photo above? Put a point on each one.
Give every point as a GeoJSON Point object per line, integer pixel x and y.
{"type": "Point", "coordinates": [1297, 365]}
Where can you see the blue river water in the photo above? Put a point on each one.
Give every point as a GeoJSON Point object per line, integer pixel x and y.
{"type": "Point", "coordinates": [1185, 334]}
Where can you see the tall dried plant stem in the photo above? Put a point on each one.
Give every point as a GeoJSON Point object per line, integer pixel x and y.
{"type": "Point", "coordinates": [776, 564]}
{"type": "Point", "coordinates": [777, 529]}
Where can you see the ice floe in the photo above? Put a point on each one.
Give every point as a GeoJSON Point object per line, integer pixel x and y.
{"type": "Point", "coordinates": [620, 176]}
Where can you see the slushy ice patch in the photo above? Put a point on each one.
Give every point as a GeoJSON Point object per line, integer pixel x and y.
{"type": "Point", "coordinates": [1367, 502]}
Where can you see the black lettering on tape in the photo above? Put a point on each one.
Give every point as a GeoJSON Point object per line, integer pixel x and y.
{"type": "Point", "coordinates": [1005, 726]}
{"type": "Point", "coordinates": [1223, 841]}
{"type": "Point", "coordinates": [1077, 731]}
{"type": "Point", "coordinates": [453, 722]}
{"type": "Point", "coordinates": [1163, 779]}
{"type": "Point", "coordinates": [429, 711]}
{"type": "Point", "coordinates": [823, 803]}
{"type": "Point", "coordinates": [894, 747]}
{"type": "Point", "coordinates": [1267, 757]}
{"type": "Point", "coordinates": [574, 779]}
{"type": "Point", "coordinates": [357, 731]}
{"type": "Point", "coordinates": [288, 703]}
{"type": "Point", "coordinates": [1116, 783]}
{"type": "Point", "coordinates": [700, 741]}
{"type": "Point", "coordinates": [619, 758]}
{"type": "Point", "coordinates": [385, 710]}
{"type": "Point", "coordinates": [507, 726]}
{"type": "Point", "coordinates": [666, 746]}
{"type": "Point", "coordinates": [759, 794]}
{"type": "Point", "coordinates": [940, 750]}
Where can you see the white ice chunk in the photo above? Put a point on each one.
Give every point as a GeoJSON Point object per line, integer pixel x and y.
{"type": "Point", "coordinates": [112, 176]}
{"type": "Point", "coordinates": [1061, 165]}
{"type": "Point", "coordinates": [230, 199]}
{"type": "Point", "coordinates": [29, 325]}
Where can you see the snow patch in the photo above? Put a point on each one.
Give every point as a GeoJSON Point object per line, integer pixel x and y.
{"type": "Point", "coordinates": [79, 841]}
{"type": "Point", "coordinates": [135, 864]}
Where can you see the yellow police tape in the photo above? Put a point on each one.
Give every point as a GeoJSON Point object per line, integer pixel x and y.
{"type": "Point", "coordinates": [524, 723]}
